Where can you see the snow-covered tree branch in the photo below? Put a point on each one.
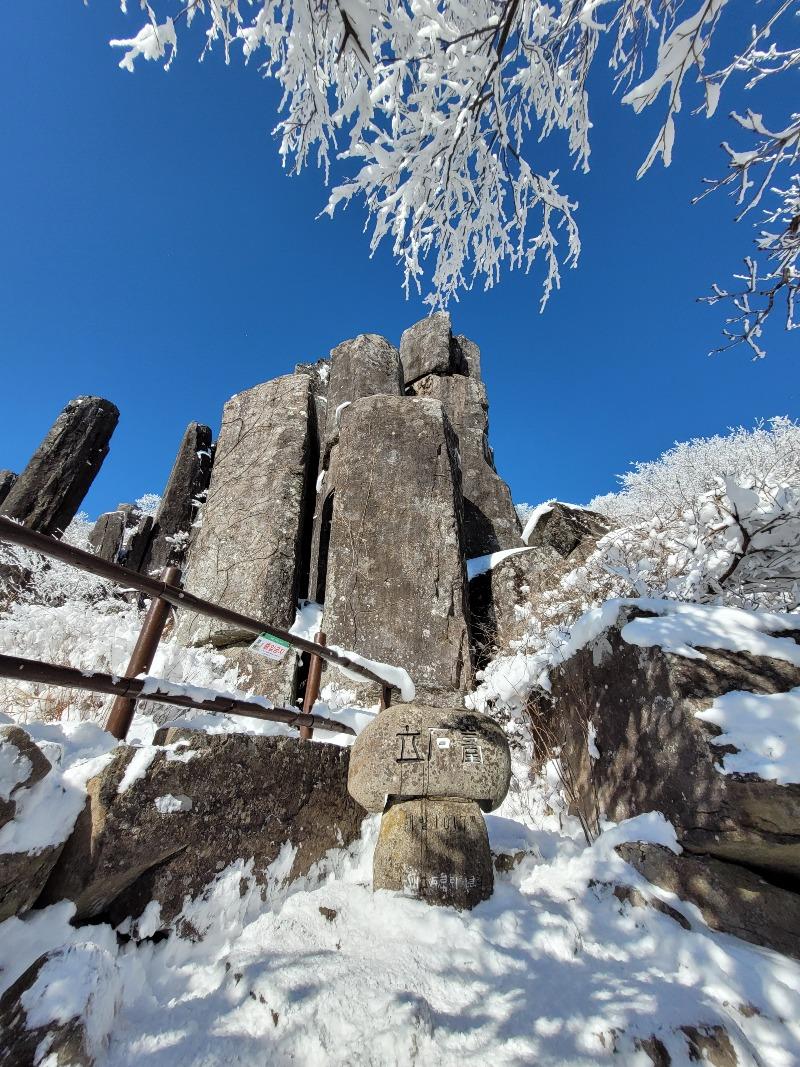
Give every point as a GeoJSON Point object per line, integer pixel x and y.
{"type": "Point", "coordinates": [439, 107]}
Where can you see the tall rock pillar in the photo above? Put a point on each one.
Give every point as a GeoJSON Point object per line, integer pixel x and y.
{"type": "Point", "coordinates": [47, 494]}
{"type": "Point", "coordinates": [249, 548]}
{"type": "Point", "coordinates": [187, 484]}
{"type": "Point", "coordinates": [446, 368]}
{"type": "Point", "coordinates": [395, 587]}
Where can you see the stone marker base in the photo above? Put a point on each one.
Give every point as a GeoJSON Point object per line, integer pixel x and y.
{"type": "Point", "coordinates": [436, 850]}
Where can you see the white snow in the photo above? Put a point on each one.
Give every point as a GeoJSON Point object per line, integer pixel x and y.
{"type": "Point", "coordinates": [482, 564]}
{"type": "Point", "coordinates": [537, 513]}
{"type": "Point", "coordinates": [682, 629]}
{"type": "Point", "coordinates": [534, 517]}
{"type": "Point", "coordinates": [308, 620]}
{"type": "Point", "coordinates": [169, 804]}
{"type": "Point", "coordinates": [765, 728]}
{"type": "Point", "coordinates": [137, 767]}
{"type": "Point", "coordinates": [553, 970]}
{"type": "Point", "coordinates": [396, 676]}
{"type": "Point", "coordinates": [337, 415]}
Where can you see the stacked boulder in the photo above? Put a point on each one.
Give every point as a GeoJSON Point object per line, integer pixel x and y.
{"type": "Point", "coordinates": [432, 772]}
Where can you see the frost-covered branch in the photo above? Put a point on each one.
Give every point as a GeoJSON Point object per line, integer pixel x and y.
{"type": "Point", "coordinates": [438, 106]}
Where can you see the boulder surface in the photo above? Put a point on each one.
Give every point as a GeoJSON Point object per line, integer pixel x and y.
{"type": "Point", "coordinates": [199, 806]}
{"type": "Point", "coordinates": [650, 752]}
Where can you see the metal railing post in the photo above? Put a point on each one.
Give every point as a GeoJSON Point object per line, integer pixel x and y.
{"type": "Point", "coordinates": [144, 651]}
{"type": "Point", "coordinates": [312, 686]}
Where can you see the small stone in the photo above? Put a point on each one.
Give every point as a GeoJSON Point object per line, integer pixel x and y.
{"type": "Point", "coordinates": [328, 913]}
{"type": "Point", "coordinates": [436, 850]}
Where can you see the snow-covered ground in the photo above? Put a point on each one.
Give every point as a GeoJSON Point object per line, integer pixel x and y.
{"type": "Point", "coordinates": [554, 969]}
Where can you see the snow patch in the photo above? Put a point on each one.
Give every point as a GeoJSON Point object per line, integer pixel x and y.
{"type": "Point", "coordinates": [765, 728]}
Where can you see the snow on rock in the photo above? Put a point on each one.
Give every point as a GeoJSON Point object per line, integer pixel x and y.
{"type": "Point", "coordinates": [765, 728]}
{"type": "Point", "coordinates": [168, 804]}
{"type": "Point", "coordinates": [533, 518]}
{"type": "Point", "coordinates": [395, 676]}
{"type": "Point", "coordinates": [46, 812]}
{"type": "Point", "coordinates": [679, 628]}
{"type": "Point", "coordinates": [308, 621]}
{"type": "Point", "coordinates": [483, 564]}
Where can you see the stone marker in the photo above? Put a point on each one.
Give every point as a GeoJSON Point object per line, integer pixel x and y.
{"type": "Point", "coordinates": [247, 554]}
{"type": "Point", "coordinates": [411, 750]}
{"type": "Point", "coordinates": [428, 347]}
{"type": "Point", "coordinates": [432, 771]}
{"type": "Point", "coordinates": [187, 482]}
{"type": "Point", "coordinates": [47, 494]}
{"type": "Point", "coordinates": [395, 589]}
{"type": "Point", "coordinates": [437, 850]}
{"type": "Point", "coordinates": [7, 479]}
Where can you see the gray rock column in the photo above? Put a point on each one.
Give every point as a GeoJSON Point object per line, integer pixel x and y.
{"type": "Point", "coordinates": [395, 566]}
{"type": "Point", "coordinates": [490, 519]}
{"type": "Point", "coordinates": [7, 479]}
{"type": "Point", "coordinates": [247, 554]}
{"type": "Point", "coordinates": [188, 481]}
{"type": "Point", "coordinates": [366, 365]}
{"type": "Point", "coordinates": [49, 492]}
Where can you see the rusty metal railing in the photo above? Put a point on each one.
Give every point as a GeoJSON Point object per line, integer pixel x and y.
{"type": "Point", "coordinates": [133, 689]}
{"type": "Point", "coordinates": [166, 592]}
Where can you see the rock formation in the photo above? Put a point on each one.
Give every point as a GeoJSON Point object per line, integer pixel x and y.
{"type": "Point", "coordinates": [23, 873]}
{"type": "Point", "coordinates": [47, 494]}
{"type": "Point", "coordinates": [438, 365]}
{"type": "Point", "coordinates": [650, 752]}
{"type": "Point", "coordinates": [185, 490]}
{"type": "Point", "coordinates": [248, 553]}
{"type": "Point", "coordinates": [7, 479]}
{"type": "Point", "coordinates": [204, 802]}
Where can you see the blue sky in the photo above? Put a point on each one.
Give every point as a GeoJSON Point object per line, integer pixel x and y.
{"type": "Point", "coordinates": [153, 252]}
